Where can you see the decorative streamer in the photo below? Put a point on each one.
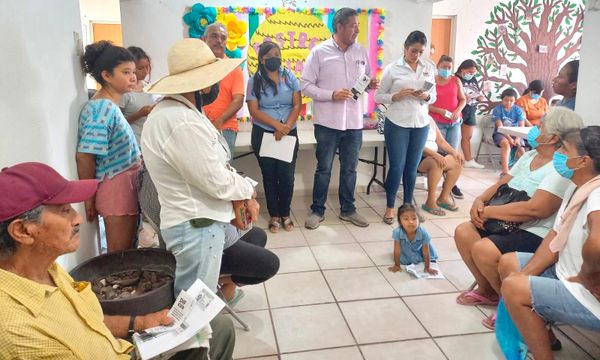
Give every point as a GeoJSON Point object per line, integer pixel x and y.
{"type": "Point", "coordinates": [363, 23]}
{"type": "Point", "coordinates": [330, 21]}
{"type": "Point", "coordinates": [252, 24]}
{"type": "Point", "coordinates": [373, 47]}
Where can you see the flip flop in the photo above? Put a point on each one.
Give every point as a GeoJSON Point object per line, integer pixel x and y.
{"type": "Point", "coordinates": [478, 299]}
{"type": "Point", "coordinates": [388, 220]}
{"type": "Point", "coordinates": [490, 322]}
{"type": "Point", "coordinates": [448, 207]}
{"type": "Point", "coordinates": [237, 296]}
{"type": "Point", "coordinates": [434, 211]}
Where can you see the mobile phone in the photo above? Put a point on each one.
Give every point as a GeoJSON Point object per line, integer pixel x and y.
{"type": "Point", "coordinates": [427, 86]}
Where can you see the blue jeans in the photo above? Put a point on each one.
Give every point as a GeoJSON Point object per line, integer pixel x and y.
{"type": "Point", "coordinates": [552, 300]}
{"type": "Point", "coordinates": [198, 253]}
{"type": "Point", "coordinates": [230, 136]}
{"type": "Point", "coordinates": [405, 149]}
{"type": "Point", "coordinates": [451, 132]}
{"type": "Point", "coordinates": [329, 141]}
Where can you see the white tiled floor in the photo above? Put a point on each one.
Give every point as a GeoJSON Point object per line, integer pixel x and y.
{"type": "Point", "coordinates": [335, 299]}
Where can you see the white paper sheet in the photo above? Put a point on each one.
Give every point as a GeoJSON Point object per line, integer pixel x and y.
{"type": "Point", "coordinates": [418, 271]}
{"type": "Point", "coordinates": [281, 150]}
{"type": "Point", "coordinates": [189, 324]}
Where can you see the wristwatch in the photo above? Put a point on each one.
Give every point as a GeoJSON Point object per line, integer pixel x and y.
{"type": "Point", "coordinates": [131, 326]}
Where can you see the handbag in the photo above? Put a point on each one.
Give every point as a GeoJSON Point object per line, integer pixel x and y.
{"type": "Point", "coordinates": [380, 114]}
{"type": "Point", "coordinates": [243, 218]}
{"type": "Point", "coordinates": [504, 195]}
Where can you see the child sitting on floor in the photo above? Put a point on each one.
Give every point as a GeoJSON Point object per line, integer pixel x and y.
{"type": "Point", "coordinates": [508, 114]}
{"type": "Point", "coordinates": [411, 241]}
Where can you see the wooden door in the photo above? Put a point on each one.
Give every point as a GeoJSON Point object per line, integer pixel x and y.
{"type": "Point", "coordinates": [110, 32]}
{"type": "Point", "coordinates": [441, 37]}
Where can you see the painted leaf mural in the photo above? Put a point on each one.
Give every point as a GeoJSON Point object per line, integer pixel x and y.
{"type": "Point", "coordinates": [527, 40]}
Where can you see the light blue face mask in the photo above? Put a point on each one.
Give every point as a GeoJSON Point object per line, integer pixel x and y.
{"type": "Point", "coordinates": [468, 76]}
{"type": "Point", "coordinates": [559, 160]}
{"type": "Point", "coordinates": [532, 136]}
{"type": "Point", "coordinates": [535, 96]}
{"type": "Point", "coordinates": [445, 73]}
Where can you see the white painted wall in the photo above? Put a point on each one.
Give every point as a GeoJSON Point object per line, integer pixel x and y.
{"type": "Point", "coordinates": [469, 18]}
{"type": "Point", "coordinates": [587, 104]}
{"type": "Point", "coordinates": [42, 91]}
{"type": "Point", "coordinates": [155, 26]}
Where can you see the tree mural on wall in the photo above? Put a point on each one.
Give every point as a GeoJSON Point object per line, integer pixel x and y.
{"type": "Point", "coordinates": [511, 51]}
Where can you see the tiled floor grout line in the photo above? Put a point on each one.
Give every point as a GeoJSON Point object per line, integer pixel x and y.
{"type": "Point", "coordinates": [272, 323]}
{"type": "Point", "coordinates": [413, 313]}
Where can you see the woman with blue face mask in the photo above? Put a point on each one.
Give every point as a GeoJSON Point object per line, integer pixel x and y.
{"type": "Point", "coordinates": [532, 103]}
{"type": "Point", "coordinates": [466, 74]}
{"type": "Point", "coordinates": [535, 174]}
{"type": "Point", "coordinates": [446, 111]}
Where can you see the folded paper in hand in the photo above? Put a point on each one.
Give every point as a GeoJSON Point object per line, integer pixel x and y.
{"type": "Point", "coordinates": [418, 271]}
{"type": "Point", "coordinates": [281, 150]}
{"type": "Point", "coordinates": [192, 312]}
{"type": "Point", "coordinates": [361, 85]}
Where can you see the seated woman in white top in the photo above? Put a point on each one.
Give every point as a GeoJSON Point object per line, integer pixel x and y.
{"type": "Point", "coordinates": [533, 173]}
{"type": "Point", "coordinates": [561, 281]}
{"type": "Point", "coordinates": [439, 158]}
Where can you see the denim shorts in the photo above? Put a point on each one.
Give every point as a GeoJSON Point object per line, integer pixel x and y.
{"type": "Point", "coordinates": [197, 251]}
{"type": "Point", "coordinates": [554, 302]}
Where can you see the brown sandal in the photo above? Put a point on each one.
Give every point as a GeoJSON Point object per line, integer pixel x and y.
{"type": "Point", "coordinates": [288, 224]}
{"type": "Point", "coordinates": [274, 225]}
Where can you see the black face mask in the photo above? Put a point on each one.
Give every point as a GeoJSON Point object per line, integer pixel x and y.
{"type": "Point", "coordinates": [205, 99]}
{"type": "Point", "coordinates": [273, 64]}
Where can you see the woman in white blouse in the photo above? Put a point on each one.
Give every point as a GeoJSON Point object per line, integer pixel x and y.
{"type": "Point", "coordinates": [408, 84]}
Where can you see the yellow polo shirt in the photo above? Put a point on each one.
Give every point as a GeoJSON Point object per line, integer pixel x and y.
{"type": "Point", "coordinates": [44, 322]}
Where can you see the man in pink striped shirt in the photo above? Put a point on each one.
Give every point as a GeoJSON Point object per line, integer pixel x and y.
{"type": "Point", "coordinates": [332, 68]}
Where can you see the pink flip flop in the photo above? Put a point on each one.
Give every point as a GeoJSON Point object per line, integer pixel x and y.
{"type": "Point", "coordinates": [479, 299]}
{"type": "Point", "coordinates": [489, 322]}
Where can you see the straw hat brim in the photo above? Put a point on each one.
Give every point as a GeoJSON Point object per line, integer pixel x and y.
{"type": "Point", "coordinates": [194, 79]}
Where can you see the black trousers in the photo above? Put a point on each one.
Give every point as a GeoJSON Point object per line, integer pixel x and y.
{"type": "Point", "coordinates": [248, 261]}
{"type": "Point", "coordinates": [278, 176]}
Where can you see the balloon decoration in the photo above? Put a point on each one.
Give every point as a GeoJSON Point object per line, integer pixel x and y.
{"type": "Point", "coordinates": [296, 30]}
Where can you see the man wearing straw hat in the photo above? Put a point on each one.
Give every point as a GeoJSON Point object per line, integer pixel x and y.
{"type": "Point", "coordinates": [187, 159]}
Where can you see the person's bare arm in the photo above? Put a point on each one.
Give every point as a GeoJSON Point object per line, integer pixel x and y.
{"type": "Point", "coordinates": [589, 275]}
{"type": "Point", "coordinates": [541, 205]}
{"type": "Point", "coordinates": [237, 101]}
{"type": "Point", "coordinates": [119, 324]}
{"type": "Point", "coordinates": [462, 101]}
{"type": "Point", "coordinates": [396, 266]}
{"type": "Point", "coordinates": [542, 258]}
{"type": "Point", "coordinates": [86, 169]}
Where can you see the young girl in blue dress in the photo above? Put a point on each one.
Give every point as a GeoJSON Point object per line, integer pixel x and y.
{"type": "Point", "coordinates": [412, 243]}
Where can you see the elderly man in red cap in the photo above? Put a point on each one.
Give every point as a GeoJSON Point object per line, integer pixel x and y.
{"type": "Point", "coordinates": [44, 312]}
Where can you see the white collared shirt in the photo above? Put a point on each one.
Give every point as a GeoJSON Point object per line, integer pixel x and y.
{"type": "Point", "coordinates": [409, 112]}
{"type": "Point", "coordinates": [188, 163]}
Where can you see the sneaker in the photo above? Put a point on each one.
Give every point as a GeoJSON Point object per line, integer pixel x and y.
{"type": "Point", "coordinates": [457, 193]}
{"type": "Point", "coordinates": [355, 218]}
{"type": "Point", "coordinates": [473, 164]}
{"type": "Point", "coordinates": [313, 221]}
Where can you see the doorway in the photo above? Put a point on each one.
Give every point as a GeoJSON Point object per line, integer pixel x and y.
{"type": "Point", "coordinates": [442, 37]}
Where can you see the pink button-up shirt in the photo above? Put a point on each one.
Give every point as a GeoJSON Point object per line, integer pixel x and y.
{"type": "Point", "coordinates": [328, 68]}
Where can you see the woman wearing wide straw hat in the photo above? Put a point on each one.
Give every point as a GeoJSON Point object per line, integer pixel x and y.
{"type": "Point", "coordinates": [187, 159]}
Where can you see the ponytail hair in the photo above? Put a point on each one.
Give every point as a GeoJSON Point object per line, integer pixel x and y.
{"type": "Point", "coordinates": [103, 56]}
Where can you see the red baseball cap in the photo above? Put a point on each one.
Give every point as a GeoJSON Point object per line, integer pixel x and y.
{"type": "Point", "coordinates": [28, 185]}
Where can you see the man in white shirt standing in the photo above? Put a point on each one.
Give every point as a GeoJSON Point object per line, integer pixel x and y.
{"type": "Point", "coordinates": [187, 159]}
{"type": "Point", "coordinates": [561, 281]}
{"type": "Point", "coordinates": [332, 68]}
